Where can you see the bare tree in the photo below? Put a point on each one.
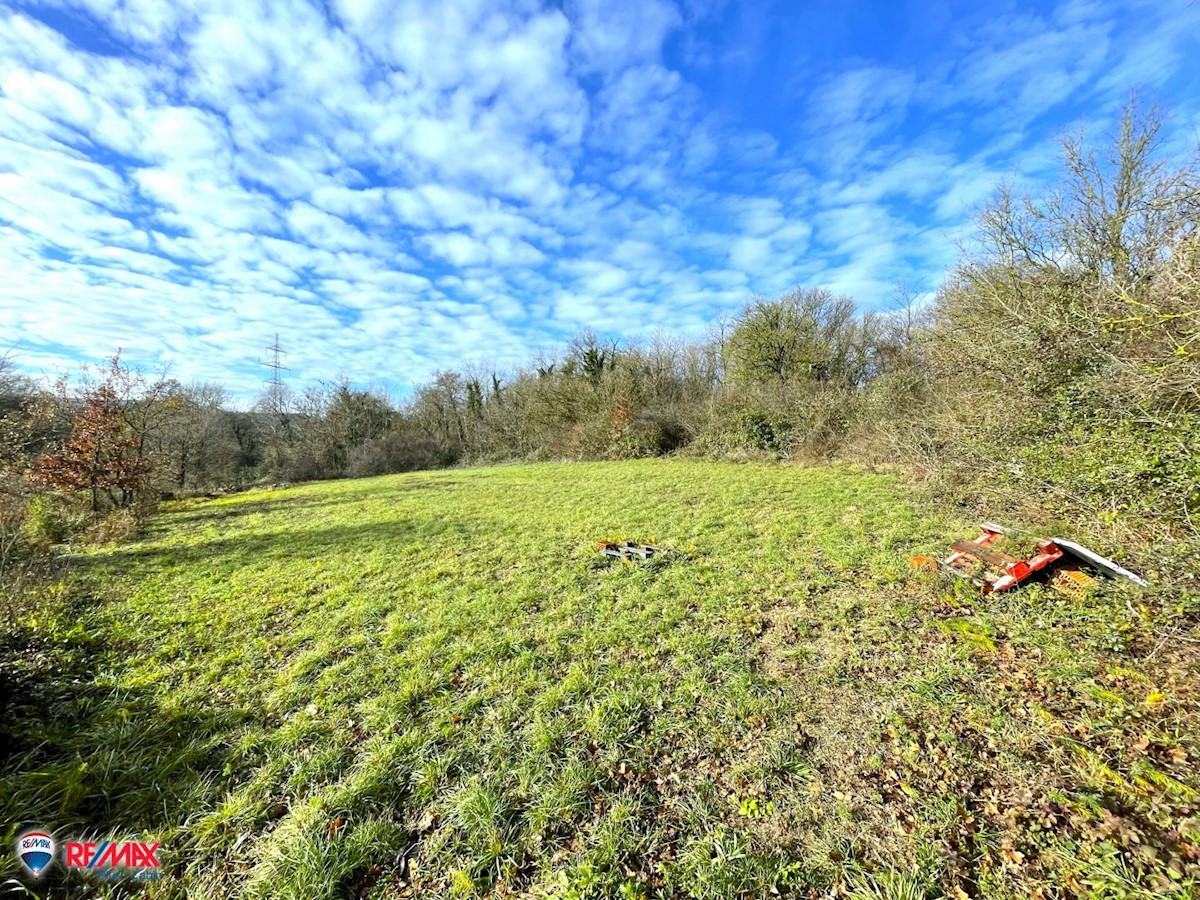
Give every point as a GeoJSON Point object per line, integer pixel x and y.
{"type": "Point", "coordinates": [1113, 217]}
{"type": "Point", "coordinates": [196, 444]}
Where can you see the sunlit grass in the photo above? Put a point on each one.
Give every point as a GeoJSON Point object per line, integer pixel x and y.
{"type": "Point", "coordinates": [433, 685]}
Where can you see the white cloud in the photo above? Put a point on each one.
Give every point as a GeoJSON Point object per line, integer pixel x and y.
{"type": "Point", "coordinates": [640, 110]}
{"type": "Point", "coordinates": [463, 250]}
{"type": "Point", "coordinates": [597, 279]}
{"type": "Point", "coordinates": [608, 36]}
{"type": "Point", "coordinates": [395, 186]}
{"type": "Point", "coordinates": [321, 229]}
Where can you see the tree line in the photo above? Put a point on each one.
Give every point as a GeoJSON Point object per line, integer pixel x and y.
{"type": "Point", "coordinates": [1057, 365]}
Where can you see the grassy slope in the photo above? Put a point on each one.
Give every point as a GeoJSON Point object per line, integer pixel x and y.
{"type": "Point", "coordinates": [431, 685]}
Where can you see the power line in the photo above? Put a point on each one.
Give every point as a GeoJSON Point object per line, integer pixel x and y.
{"type": "Point", "coordinates": [275, 365]}
{"type": "Point", "coordinates": [275, 382]}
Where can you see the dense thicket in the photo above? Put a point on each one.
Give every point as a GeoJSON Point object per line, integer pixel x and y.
{"type": "Point", "coordinates": [1063, 358]}
{"type": "Point", "coordinates": [1057, 367]}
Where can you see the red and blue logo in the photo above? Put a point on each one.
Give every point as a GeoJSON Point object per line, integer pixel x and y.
{"type": "Point", "coordinates": [108, 860]}
{"type": "Point", "coordinates": [114, 860]}
{"type": "Point", "coordinates": [35, 850]}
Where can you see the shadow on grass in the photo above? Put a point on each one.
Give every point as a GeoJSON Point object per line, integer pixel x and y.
{"type": "Point", "coordinates": [220, 509]}
{"type": "Point", "coordinates": [79, 757]}
{"type": "Point", "coordinates": [219, 512]}
{"type": "Point", "coordinates": [254, 549]}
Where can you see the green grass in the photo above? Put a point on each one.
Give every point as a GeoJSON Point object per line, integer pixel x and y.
{"type": "Point", "coordinates": [432, 685]}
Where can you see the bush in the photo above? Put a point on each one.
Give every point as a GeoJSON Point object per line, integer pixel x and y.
{"type": "Point", "coordinates": [49, 520]}
{"type": "Point", "coordinates": [804, 420]}
{"type": "Point", "coordinates": [1058, 373]}
{"type": "Point", "coordinates": [821, 420]}
{"type": "Point", "coordinates": [762, 429]}
{"type": "Point", "coordinates": [404, 450]}
{"type": "Point", "coordinates": [649, 435]}
{"type": "Point", "coordinates": [891, 424]}
{"type": "Point", "coordinates": [116, 527]}
{"type": "Point", "coordinates": [302, 466]}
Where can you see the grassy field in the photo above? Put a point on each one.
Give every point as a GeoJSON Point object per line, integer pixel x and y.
{"type": "Point", "coordinates": [431, 685]}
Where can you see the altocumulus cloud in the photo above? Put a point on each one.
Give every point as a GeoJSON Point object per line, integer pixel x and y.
{"type": "Point", "coordinates": [397, 186]}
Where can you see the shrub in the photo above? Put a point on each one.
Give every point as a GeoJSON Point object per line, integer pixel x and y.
{"type": "Point", "coordinates": [762, 429]}
{"type": "Point", "coordinates": [807, 420]}
{"type": "Point", "coordinates": [302, 466]}
{"type": "Point", "coordinates": [1058, 375]}
{"type": "Point", "coordinates": [116, 527]}
{"type": "Point", "coordinates": [821, 420]}
{"type": "Point", "coordinates": [649, 435]}
{"type": "Point", "coordinates": [49, 520]}
{"type": "Point", "coordinates": [403, 450]}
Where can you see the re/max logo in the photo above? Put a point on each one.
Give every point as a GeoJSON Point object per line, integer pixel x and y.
{"type": "Point", "coordinates": [111, 855]}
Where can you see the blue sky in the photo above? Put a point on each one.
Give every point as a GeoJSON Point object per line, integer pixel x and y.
{"type": "Point", "coordinates": [396, 187]}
